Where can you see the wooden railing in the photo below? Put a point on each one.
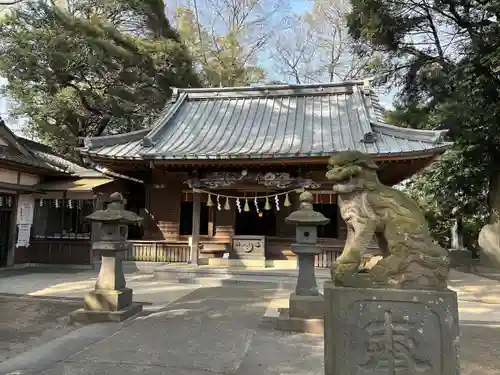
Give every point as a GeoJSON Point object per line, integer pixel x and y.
{"type": "Point", "coordinates": [332, 248]}
{"type": "Point", "coordinates": [54, 251]}
{"type": "Point", "coordinates": [154, 251]}
{"type": "Point", "coordinates": [326, 258]}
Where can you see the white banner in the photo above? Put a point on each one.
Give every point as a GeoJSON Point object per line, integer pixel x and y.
{"type": "Point", "coordinates": [23, 235]}
{"type": "Point", "coordinates": [25, 208]}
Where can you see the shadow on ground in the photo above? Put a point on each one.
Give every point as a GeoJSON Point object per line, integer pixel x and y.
{"type": "Point", "coordinates": [212, 330]}
{"type": "Point", "coordinates": [27, 322]}
{"type": "Point", "coordinates": [480, 350]}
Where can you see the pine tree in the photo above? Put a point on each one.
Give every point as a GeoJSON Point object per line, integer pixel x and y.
{"type": "Point", "coordinates": [97, 67]}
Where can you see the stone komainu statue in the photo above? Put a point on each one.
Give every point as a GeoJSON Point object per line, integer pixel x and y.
{"type": "Point", "coordinates": [411, 259]}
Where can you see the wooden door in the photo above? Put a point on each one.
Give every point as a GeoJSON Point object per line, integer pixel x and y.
{"type": "Point", "coordinates": [5, 216]}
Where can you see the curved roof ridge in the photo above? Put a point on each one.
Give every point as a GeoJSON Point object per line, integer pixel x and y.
{"type": "Point", "coordinates": [271, 87]}
{"type": "Point", "coordinates": [170, 110]}
{"type": "Point", "coordinates": [364, 111]}
{"type": "Point", "coordinates": [107, 140]}
{"type": "Point", "coordinates": [378, 109]}
{"type": "Point", "coordinates": [434, 136]}
{"type": "Point", "coordinates": [270, 90]}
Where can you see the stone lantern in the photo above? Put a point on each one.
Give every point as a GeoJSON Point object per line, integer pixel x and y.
{"type": "Point", "coordinates": [111, 300]}
{"type": "Point", "coordinates": [306, 304]}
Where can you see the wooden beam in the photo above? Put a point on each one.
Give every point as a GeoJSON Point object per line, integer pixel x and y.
{"type": "Point", "coordinates": [195, 234]}
{"type": "Point", "coordinates": [305, 160]}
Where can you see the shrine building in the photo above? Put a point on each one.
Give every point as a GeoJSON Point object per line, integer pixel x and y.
{"type": "Point", "coordinates": [220, 168]}
{"type": "Point", "coordinates": [44, 198]}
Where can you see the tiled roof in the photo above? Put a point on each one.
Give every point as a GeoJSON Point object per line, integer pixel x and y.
{"type": "Point", "coordinates": [44, 155]}
{"type": "Point", "coordinates": [267, 122]}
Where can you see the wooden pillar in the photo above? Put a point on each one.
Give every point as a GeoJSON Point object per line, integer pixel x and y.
{"type": "Point", "coordinates": [11, 253]}
{"type": "Point", "coordinates": [195, 239]}
{"type": "Point", "coordinates": [211, 221]}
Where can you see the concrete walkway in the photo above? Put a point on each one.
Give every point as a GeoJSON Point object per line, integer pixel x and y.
{"type": "Point", "coordinates": [479, 297]}
{"type": "Point", "coordinates": [195, 329]}
{"type": "Point", "coordinates": [208, 331]}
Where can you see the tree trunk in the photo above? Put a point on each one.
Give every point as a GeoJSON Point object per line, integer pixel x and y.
{"type": "Point", "coordinates": [489, 236]}
{"type": "Point", "coordinates": [494, 197]}
{"type": "Point", "coordinates": [457, 242]}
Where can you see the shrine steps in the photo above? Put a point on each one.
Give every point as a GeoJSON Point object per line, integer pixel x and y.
{"type": "Point", "coordinates": [225, 276]}
{"type": "Point", "coordinates": [249, 263]}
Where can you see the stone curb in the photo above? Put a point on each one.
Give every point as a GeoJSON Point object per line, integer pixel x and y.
{"type": "Point", "coordinates": [241, 282]}
{"type": "Point", "coordinates": [76, 300]}
{"type": "Point", "coordinates": [43, 357]}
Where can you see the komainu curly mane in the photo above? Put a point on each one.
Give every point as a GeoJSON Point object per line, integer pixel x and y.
{"type": "Point", "coordinates": [411, 259]}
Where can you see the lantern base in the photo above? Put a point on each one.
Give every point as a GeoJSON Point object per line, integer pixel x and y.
{"type": "Point", "coordinates": [288, 323]}
{"type": "Point", "coordinates": [87, 316]}
{"type": "Point", "coordinates": [107, 299]}
{"type": "Point", "coordinates": [307, 307]}
{"type": "Point", "coordinates": [305, 314]}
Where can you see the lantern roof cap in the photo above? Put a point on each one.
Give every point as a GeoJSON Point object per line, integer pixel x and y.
{"type": "Point", "coordinates": [306, 215]}
{"type": "Point", "coordinates": [115, 213]}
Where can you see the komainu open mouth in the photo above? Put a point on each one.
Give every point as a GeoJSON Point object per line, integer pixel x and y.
{"type": "Point", "coordinates": [344, 180]}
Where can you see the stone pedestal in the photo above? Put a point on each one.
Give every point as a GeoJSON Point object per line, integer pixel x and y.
{"type": "Point", "coordinates": [248, 248]}
{"type": "Point", "coordinates": [111, 300]}
{"type": "Point", "coordinates": [305, 312]}
{"type": "Point", "coordinates": [306, 280]}
{"type": "Point", "coordinates": [461, 258]}
{"type": "Point", "coordinates": [384, 331]}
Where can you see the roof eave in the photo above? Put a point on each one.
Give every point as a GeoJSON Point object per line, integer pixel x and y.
{"type": "Point", "coordinates": [267, 159]}
{"type": "Point", "coordinates": [431, 136]}
{"type": "Point", "coordinates": [90, 143]}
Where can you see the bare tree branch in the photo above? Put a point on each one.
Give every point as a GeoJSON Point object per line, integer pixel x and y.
{"type": "Point", "coordinates": [10, 2]}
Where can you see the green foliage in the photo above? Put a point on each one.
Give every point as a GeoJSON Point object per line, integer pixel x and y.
{"type": "Point", "coordinates": [452, 187]}
{"type": "Point", "coordinates": [101, 66]}
{"type": "Point", "coordinates": [443, 55]}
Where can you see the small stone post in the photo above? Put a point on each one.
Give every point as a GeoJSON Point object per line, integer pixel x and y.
{"type": "Point", "coordinates": [111, 300]}
{"type": "Point", "coordinates": [305, 313]}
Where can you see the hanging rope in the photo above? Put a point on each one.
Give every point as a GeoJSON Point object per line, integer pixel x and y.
{"type": "Point", "coordinates": [253, 197]}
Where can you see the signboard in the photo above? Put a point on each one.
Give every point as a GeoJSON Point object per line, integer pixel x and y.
{"type": "Point", "coordinates": [25, 208]}
{"type": "Point", "coordinates": [23, 235]}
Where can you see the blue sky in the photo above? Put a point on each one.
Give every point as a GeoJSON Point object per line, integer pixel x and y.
{"type": "Point", "coordinates": [300, 5]}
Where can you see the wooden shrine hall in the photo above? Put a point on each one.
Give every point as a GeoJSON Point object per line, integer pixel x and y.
{"type": "Point", "coordinates": [221, 166]}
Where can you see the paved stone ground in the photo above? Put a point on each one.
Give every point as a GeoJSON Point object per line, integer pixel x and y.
{"type": "Point", "coordinates": [28, 322]}
{"type": "Point", "coordinates": [191, 330]}
{"type": "Point", "coordinates": [217, 331]}
{"type": "Point", "coordinates": [480, 350]}
{"type": "Point", "coordinates": [208, 331]}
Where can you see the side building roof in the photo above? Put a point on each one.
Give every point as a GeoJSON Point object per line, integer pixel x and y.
{"type": "Point", "coordinates": [285, 121]}
{"type": "Point", "coordinates": [32, 154]}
